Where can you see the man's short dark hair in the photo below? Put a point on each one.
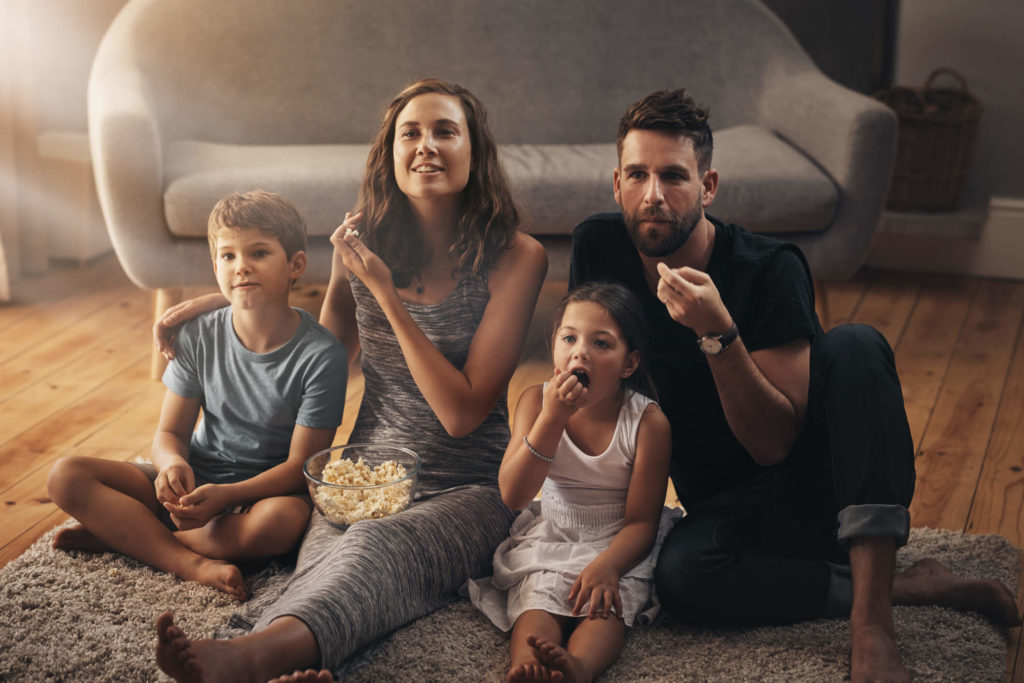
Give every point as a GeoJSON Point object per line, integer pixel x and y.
{"type": "Point", "coordinates": [672, 111]}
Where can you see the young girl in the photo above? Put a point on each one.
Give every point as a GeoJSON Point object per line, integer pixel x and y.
{"type": "Point", "coordinates": [579, 561]}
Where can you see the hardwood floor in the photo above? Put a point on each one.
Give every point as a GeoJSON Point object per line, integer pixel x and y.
{"type": "Point", "coordinates": [74, 379]}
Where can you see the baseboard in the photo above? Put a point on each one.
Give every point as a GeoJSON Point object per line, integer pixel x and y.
{"type": "Point", "coordinates": [995, 252]}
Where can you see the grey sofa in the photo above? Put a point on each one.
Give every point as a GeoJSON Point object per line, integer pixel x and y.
{"type": "Point", "coordinates": [190, 100]}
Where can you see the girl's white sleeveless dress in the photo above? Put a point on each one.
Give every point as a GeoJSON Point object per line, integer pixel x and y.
{"type": "Point", "coordinates": [582, 507]}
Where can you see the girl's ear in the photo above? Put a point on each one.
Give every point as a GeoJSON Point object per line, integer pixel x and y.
{"type": "Point", "coordinates": [632, 363]}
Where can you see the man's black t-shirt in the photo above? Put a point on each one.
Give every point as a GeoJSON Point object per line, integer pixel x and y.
{"type": "Point", "coordinates": [766, 286]}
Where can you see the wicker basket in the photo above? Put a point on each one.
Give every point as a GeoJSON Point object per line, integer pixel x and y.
{"type": "Point", "coordinates": [937, 129]}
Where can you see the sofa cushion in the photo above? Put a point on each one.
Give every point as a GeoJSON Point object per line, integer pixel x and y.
{"type": "Point", "coordinates": [765, 184]}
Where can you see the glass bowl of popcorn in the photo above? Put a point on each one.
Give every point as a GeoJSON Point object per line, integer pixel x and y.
{"type": "Point", "coordinates": [361, 481]}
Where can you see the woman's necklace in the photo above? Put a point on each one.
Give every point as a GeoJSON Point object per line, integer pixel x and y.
{"type": "Point", "coordinates": [433, 271]}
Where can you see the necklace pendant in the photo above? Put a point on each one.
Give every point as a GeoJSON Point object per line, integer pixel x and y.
{"type": "Point", "coordinates": [419, 288]}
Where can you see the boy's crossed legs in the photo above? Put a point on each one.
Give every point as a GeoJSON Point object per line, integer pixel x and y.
{"type": "Point", "coordinates": [116, 506]}
{"type": "Point", "coordinates": [537, 653]}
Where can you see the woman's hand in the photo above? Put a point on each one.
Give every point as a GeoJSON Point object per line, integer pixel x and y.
{"type": "Point", "coordinates": [358, 258]}
{"type": "Point", "coordinates": [564, 394]}
{"type": "Point", "coordinates": [165, 329]}
{"type": "Point", "coordinates": [598, 583]}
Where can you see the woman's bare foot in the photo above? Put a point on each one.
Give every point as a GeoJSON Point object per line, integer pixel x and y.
{"type": "Point", "coordinates": [172, 651]}
{"type": "Point", "coordinates": [307, 676]}
{"type": "Point", "coordinates": [929, 582]}
{"type": "Point", "coordinates": [559, 660]}
{"type": "Point", "coordinates": [220, 575]}
{"type": "Point", "coordinates": [874, 656]}
{"type": "Point", "coordinates": [77, 537]}
{"type": "Point", "coordinates": [195, 661]}
{"type": "Point", "coordinates": [531, 672]}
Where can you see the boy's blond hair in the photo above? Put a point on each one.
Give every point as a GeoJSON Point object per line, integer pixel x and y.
{"type": "Point", "coordinates": [271, 214]}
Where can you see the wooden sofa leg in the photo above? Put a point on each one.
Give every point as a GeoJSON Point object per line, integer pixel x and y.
{"type": "Point", "coordinates": [163, 299]}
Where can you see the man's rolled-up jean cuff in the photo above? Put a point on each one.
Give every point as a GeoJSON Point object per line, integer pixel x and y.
{"type": "Point", "coordinates": [874, 521]}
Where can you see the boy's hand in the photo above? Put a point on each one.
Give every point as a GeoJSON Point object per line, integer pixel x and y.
{"type": "Point", "coordinates": [358, 258]}
{"type": "Point", "coordinates": [600, 585]}
{"type": "Point", "coordinates": [199, 507]}
{"type": "Point", "coordinates": [173, 482]}
{"type": "Point", "coordinates": [564, 394]}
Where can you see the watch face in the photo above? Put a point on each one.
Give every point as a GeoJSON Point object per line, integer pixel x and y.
{"type": "Point", "coordinates": [710, 345]}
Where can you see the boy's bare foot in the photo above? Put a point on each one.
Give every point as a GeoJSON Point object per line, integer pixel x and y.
{"type": "Point", "coordinates": [307, 676]}
{"type": "Point", "coordinates": [874, 656]}
{"type": "Point", "coordinates": [929, 582]}
{"type": "Point", "coordinates": [559, 660]}
{"type": "Point", "coordinates": [222, 576]}
{"type": "Point", "coordinates": [195, 661]}
{"type": "Point", "coordinates": [77, 537]}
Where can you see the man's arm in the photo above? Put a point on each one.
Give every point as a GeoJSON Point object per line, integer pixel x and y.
{"type": "Point", "coordinates": [764, 393]}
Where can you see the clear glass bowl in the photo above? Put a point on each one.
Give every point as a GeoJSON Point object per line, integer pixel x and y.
{"type": "Point", "coordinates": [344, 504]}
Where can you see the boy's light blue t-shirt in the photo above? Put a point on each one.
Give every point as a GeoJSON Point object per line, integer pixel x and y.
{"type": "Point", "coordinates": [252, 401]}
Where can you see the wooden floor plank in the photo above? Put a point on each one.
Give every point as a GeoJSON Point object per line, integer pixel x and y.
{"type": "Point", "coordinates": [51, 358]}
{"type": "Point", "coordinates": [953, 448]}
{"type": "Point", "coordinates": [844, 298]}
{"type": "Point", "coordinates": [66, 428]}
{"type": "Point", "coordinates": [888, 304]}
{"type": "Point", "coordinates": [926, 346]}
{"type": "Point", "coordinates": [999, 504]}
{"type": "Point", "coordinates": [27, 504]}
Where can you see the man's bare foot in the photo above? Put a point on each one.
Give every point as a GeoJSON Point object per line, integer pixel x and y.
{"type": "Point", "coordinates": [874, 656]}
{"type": "Point", "coordinates": [558, 659]}
{"type": "Point", "coordinates": [195, 661]}
{"type": "Point", "coordinates": [530, 672]}
{"type": "Point", "coordinates": [220, 575]}
{"type": "Point", "coordinates": [77, 537]}
{"type": "Point", "coordinates": [929, 582]}
{"type": "Point", "coordinates": [307, 676]}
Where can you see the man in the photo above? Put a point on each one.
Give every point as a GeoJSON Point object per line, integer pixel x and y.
{"type": "Point", "coordinates": [790, 447]}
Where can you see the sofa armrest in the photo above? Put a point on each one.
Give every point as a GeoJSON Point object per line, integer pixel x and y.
{"type": "Point", "coordinates": [853, 139]}
{"type": "Point", "coordinates": [124, 139]}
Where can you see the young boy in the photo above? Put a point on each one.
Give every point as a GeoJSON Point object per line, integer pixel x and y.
{"type": "Point", "coordinates": [271, 385]}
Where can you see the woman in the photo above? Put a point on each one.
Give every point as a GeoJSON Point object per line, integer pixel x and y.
{"type": "Point", "coordinates": [434, 284]}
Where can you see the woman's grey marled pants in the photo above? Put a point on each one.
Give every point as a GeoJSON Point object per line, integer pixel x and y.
{"type": "Point", "coordinates": [353, 587]}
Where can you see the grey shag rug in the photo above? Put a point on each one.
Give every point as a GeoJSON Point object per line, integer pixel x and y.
{"type": "Point", "coordinates": [81, 617]}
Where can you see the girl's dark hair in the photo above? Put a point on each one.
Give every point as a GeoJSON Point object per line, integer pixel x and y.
{"type": "Point", "coordinates": [626, 310]}
{"type": "Point", "coordinates": [487, 215]}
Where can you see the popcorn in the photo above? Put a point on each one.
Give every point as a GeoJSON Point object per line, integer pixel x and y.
{"type": "Point", "coordinates": [348, 506]}
{"type": "Point", "coordinates": [351, 232]}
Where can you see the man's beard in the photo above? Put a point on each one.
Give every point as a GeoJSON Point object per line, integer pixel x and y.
{"type": "Point", "coordinates": [657, 244]}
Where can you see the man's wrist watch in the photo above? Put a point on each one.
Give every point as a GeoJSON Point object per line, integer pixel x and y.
{"type": "Point", "coordinates": [714, 344]}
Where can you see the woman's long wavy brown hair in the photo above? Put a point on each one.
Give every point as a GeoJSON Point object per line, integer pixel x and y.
{"type": "Point", "coordinates": [487, 215]}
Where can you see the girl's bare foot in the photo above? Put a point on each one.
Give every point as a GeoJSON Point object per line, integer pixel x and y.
{"type": "Point", "coordinates": [195, 661]}
{"type": "Point", "coordinates": [77, 537]}
{"type": "Point", "coordinates": [559, 660]}
{"type": "Point", "coordinates": [874, 656]}
{"type": "Point", "coordinates": [307, 676]}
{"type": "Point", "coordinates": [220, 575]}
{"type": "Point", "coordinates": [532, 671]}
{"type": "Point", "coordinates": [929, 582]}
